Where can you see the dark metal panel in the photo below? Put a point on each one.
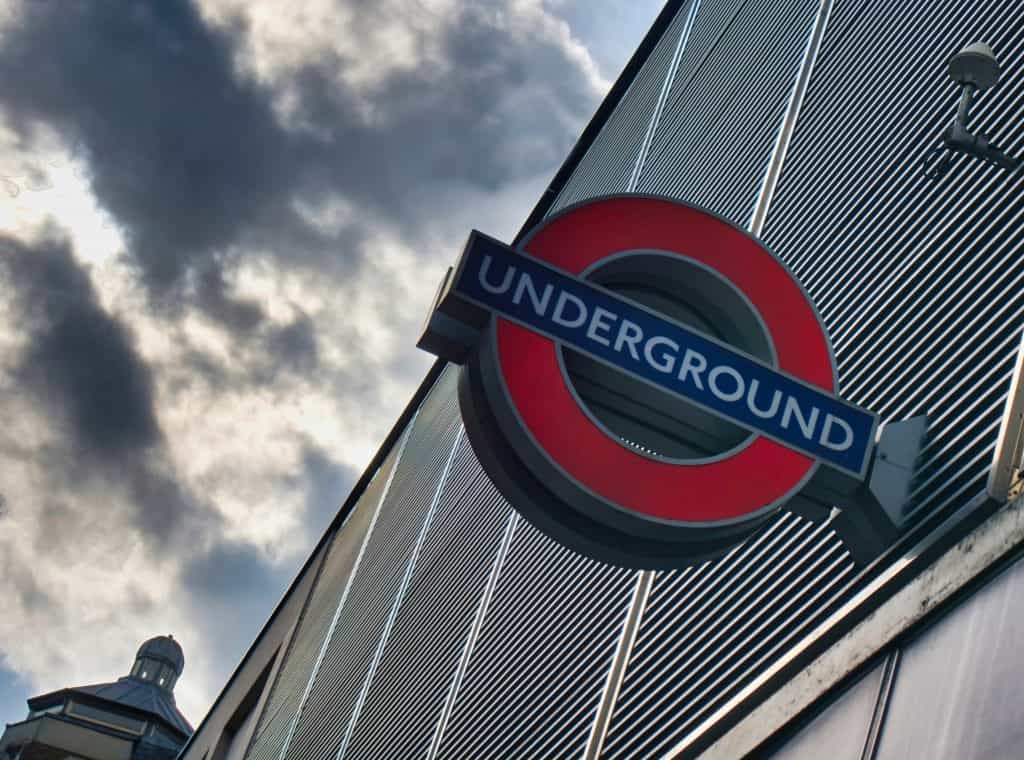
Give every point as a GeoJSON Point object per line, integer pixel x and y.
{"type": "Point", "coordinates": [535, 677]}
{"type": "Point", "coordinates": [310, 568]}
{"type": "Point", "coordinates": [713, 20]}
{"type": "Point", "coordinates": [957, 690]}
{"type": "Point", "coordinates": [410, 687]}
{"type": "Point", "coordinates": [709, 629]}
{"type": "Point", "coordinates": [841, 729]}
{"type": "Point", "coordinates": [364, 607]}
{"type": "Point", "coordinates": [919, 283]}
{"type": "Point", "coordinates": [716, 136]}
{"type": "Point", "coordinates": [920, 286]}
{"type": "Point", "coordinates": [282, 705]}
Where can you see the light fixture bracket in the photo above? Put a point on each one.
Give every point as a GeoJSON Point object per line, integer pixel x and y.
{"type": "Point", "coordinates": [974, 69]}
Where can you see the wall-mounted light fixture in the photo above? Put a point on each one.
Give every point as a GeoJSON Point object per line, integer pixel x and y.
{"type": "Point", "coordinates": [975, 69]}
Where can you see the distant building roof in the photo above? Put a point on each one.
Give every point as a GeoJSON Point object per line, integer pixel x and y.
{"type": "Point", "coordinates": [136, 712]}
{"type": "Point", "coordinates": [142, 695]}
{"type": "Point", "coordinates": [149, 688]}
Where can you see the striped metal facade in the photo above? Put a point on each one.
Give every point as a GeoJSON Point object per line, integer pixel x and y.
{"type": "Point", "coordinates": [289, 691]}
{"type": "Point", "coordinates": [443, 625]}
{"type": "Point", "coordinates": [378, 590]}
{"type": "Point", "coordinates": [614, 161]}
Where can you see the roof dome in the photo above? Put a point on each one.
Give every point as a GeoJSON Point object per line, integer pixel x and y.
{"type": "Point", "coordinates": [164, 649]}
{"type": "Point", "coordinates": [148, 689]}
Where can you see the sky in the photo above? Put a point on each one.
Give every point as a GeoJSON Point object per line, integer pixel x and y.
{"type": "Point", "coordinates": [221, 224]}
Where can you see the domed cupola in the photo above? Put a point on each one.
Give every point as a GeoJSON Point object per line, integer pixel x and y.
{"type": "Point", "coordinates": [159, 661]}
{"type": "Point", "coordinates": [132, 717]}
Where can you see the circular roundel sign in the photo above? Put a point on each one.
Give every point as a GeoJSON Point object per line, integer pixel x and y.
{"type": "Point", "coordinates": [643, 380]}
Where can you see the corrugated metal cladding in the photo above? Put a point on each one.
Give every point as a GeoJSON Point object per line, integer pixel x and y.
{"type": "Point", "coordinates": [535, 678]}
{"type": "Point", "coordinates": [919, 285]}
{"type": "Point", "coordinates": [610, 164]}
{"type": "Point", "coordinates": [407, 658]}
{"type": "Point", "coordinates": [293, 676]}
{"type": "Point", "coordinates": [728, 98]}
{"type": "Point", "coordinates": [709, 630]}
{"type": "Point", "coordinates": [463, 632]}
{"type": "Point", "coordinates": [409, 692]}
{"type": "Point", "coordinates": [337, 695]}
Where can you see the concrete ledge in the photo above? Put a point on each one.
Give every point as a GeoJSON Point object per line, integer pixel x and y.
{"type": "Point", "coordinates": [952, 571]}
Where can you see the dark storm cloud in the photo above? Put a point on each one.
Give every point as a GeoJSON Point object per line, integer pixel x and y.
{"type": "Point", "coordinates": [181, 151]}
{"type": "Point", "coordinates": [79, 360]}
{"type": "Point", "coordinates": [60, 528]}
{"type": "Point", "coordinates": [164, 508]}
{"type": "Point", "coordinates": [228, 570]}
{"type": "Point", "coordinates": [294, 345]}
{"type": "Point", "coordinates": [240, 315]}
{"type": "Point", "coordinates": [189, 157]}
{"type": "Point", "coordinates": [81, 366]}
{"type": "Point", "coordinates": [236, 584]}
{"type": "Point", "coordinates": [29, 595]}
{"type": "Point", "coordinates": [494, 110]}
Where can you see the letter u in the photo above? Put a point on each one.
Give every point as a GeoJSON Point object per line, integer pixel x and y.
{"type": "Point", "coordinates": [496, 289]}
{"type": "Point", "coordinates": [773, 407]}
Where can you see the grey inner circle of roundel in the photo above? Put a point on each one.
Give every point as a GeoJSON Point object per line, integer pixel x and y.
{"type": "Point", "coordinates": [639, 416]}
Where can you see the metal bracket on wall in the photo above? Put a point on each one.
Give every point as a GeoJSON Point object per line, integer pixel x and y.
{"type": "Point", "coordinates": [975, 69]}
{"type": "Point", "coordinates": [873, 511]}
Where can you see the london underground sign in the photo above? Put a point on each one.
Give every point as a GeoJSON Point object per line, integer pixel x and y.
{"type": "Point", "coordinates": [643, 380]}
{"type": "Point", "coordinates": [665, 353]}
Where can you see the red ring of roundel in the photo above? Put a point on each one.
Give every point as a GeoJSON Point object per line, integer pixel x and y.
{"type": "Point", "coordinates": [727, 489]}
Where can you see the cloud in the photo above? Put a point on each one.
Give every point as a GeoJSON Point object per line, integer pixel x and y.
{"type": "Point", "coordinates": [31, 596]}
{"type": "Point", "coordinates": [13, 693]}
{"type": "Point", "coordinates": [239, 315]}
{"type": "Point", "coordinates": [181, 152]}
{"type": "Point", "coordinates": [194, 159]}
{"type": "Point", "coordinates": [80, 361]}
{"type": "Point", "coordinates": [294, 345]}
{"type": "Point", "coordinates": [231, 587]}
{"type": "Point", "coordinates": [81, 365]}
{"type": "Point", "coordinates": [612, 29]}
{"type": "Point", "coordinates": [227, 570]}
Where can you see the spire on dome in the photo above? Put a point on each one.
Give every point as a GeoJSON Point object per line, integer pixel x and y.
{"type": "Point", "coordinates": [159, 660]}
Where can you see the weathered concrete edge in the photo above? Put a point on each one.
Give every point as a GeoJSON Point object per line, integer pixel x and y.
{"type": "Point", "coordinates": [952, 571]}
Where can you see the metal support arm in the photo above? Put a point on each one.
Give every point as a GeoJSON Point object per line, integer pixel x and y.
{"type": "Point", "coordinates": [873, 511]}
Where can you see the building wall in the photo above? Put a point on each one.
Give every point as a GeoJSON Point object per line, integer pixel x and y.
{"type": "Point", "coordinates": [444, 625]}
{"type": "Point", "coordinates": [249, 689]}
{"type": "Point", "coordinates": [48, 738]}
{"type": "Point", "coordinates": [950, 691]}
